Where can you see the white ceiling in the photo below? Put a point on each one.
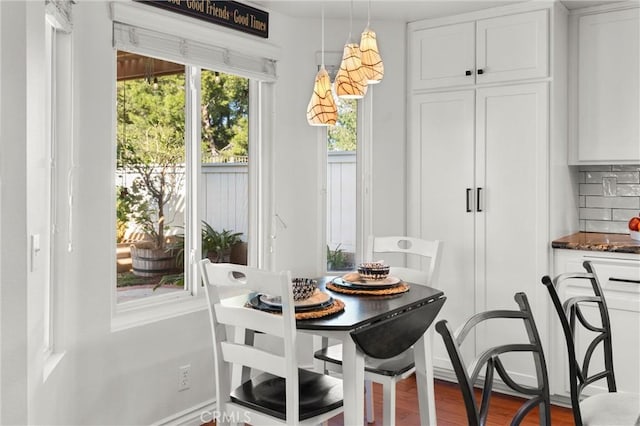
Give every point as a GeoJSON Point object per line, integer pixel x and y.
{"type": "Point", "coordinates": [403, 10]}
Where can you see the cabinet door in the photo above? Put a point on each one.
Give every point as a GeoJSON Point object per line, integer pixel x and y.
{"type": "Point", "coordinates": [442, 123]}
{"type": "Point", "coordinates": [512, 226]}
{"type": "Point", "coordinates": [513, 47]}
{"type": "Point", "coordinates": [609, 86]}
{"type": "Point", "coordinates": [441, 56]}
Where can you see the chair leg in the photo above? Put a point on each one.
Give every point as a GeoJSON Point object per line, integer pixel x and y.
{"type": "Point", "coordinates": [389, 404]}
{"type": "Point", "coordinates": [368, 401]}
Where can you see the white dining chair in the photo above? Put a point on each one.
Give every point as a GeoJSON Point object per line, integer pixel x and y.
{"type": "Point", "coordinates": [311, 398]}
{"type": "Point", "coordinates": [390, 371]}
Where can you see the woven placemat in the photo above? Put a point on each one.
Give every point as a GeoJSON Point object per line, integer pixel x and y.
{"type": "Point", "coordinates": [400, 288]}
{"type": "Point", "coordinates": [334, 308]}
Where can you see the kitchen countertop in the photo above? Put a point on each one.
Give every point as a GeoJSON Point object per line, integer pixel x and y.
{"type": "Point", "coordinates": [593, 241]}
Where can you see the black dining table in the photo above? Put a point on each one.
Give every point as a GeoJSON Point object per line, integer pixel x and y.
{"type": "Point", "coordinates": [361, 311]}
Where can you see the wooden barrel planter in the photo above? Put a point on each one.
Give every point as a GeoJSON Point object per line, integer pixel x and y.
{"type": "Point", "coordinates": [150, 262]}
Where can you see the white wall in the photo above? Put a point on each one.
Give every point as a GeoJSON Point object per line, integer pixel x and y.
{"type": "Point", "coordinates": [298, 157]}
{"type": "Point", "coordinates": [130, 376]}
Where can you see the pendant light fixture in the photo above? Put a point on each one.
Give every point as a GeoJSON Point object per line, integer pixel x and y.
{"type": "Point", "coordinates": [371, 61]}
{"type": "Point", "coordinates": [351, 82]}
{"type": "Point", "coordinates": [322, 110]}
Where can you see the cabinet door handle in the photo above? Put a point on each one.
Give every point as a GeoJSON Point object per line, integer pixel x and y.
{"type": "Point", "coordinates": [480, 71]}
{"type": "Point", "coordinates": [624, 280]}
{"type": "Point", "coordinates": [468, 72]}
{"type": "Point", "coordinates": [469, 199]}
{"type": "Point", "coordinates": [478, 207]}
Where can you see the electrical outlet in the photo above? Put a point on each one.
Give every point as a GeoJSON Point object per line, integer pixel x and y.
{"type": "Point", "coordinates": [184, 377]}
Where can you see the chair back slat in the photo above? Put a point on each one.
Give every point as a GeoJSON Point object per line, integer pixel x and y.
{"type": "Point", "coordinates": [490, 361]}
{"type": "Point", "coordinates": [252, 357]}
{"type": "Point", "coordinates": [573, 322]}
{"type": "Point", "coordinates": [428, 250]}
{"type": "Point", "coordinates": [252, 319]}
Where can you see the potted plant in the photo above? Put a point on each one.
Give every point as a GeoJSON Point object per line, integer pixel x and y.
{"type": "Point", "coordinates": [336, 259]}
{"type": "Point", "coordinates": [216, 245]}
{"type": "Point", "coordinates": [156, 159]}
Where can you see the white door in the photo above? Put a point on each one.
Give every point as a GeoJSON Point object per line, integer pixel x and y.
{"type": "Point", "coordinates": [512, 224]}
{"type": "Point", "coordinates": [512, 47]}
{"type": "Point", "coordinates": [443, 125]}
{"type": "Point", "coordinates": [442, 56]}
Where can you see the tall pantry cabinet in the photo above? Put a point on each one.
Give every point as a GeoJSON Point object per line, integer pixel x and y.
{"type": "Point", "coordinates": [486, 124]}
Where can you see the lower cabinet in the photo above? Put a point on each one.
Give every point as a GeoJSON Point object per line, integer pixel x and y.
{"type": "Point", "coordinates": [619, 276]}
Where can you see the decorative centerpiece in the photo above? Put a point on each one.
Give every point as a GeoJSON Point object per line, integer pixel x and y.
{"type": "Point", "coordinates": [303, 288]}
{"type": "Point", "coordinates": [374, 271]}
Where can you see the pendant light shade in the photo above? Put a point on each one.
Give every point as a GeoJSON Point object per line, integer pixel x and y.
{"type": "Point", "coordinates": [372, 65]}
{"type": "Point", "coordinates": [351, 82]}
{"type": "Point", "coordinates": [322, 110]}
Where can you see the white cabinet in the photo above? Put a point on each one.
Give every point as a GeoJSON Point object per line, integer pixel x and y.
{"type": "Point", "coordinates": [619, 276]}
{"type": "Point", "coordinates": [477, 150]}
{"type": "Point", "coordinates": [504, 48]}
{"type": "Point", "coordinates": [481, 159]}
{"type": "Point", "coordinates": [606, 88]}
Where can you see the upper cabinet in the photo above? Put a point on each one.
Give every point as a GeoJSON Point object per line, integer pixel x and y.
{"type": "Point", "coordinates": [499, 49]}
{"type": "Point", "coordinates": [605, 87]}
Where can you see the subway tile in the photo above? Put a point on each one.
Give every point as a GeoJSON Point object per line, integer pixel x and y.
{"type": "Point", "coordinates": [624, 214]}
{"type": "Point", "coordinates": [591, 189]}
{"type": "Point", "coordinates": [582, 201]}
{"type": "Point", "coordinates": [621, 168]}
{"type": "Point", "coordinates": [609, 185]}
{"type": "Point", "coordinates": [628, 190]}
{"type": "Point", "coordinates": [582, 177]}
{"type": "Point", "coordinates": [582, 225]}
{"type": "Point", "coordinates": [622, 177]}
{"type": "Point", "coordinates": [595, 214]}
{"type": "Point", "coordinates": [606, 226]}
{"type": "Point", "coordinates": [612, 202]}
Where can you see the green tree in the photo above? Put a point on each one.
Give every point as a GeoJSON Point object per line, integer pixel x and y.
{"type": "Point", "coordinates": [225, 107]}
{"type": "Point", "coordinates": [151, 144]}
{"type": "Point", "coordinates": [343, 136]}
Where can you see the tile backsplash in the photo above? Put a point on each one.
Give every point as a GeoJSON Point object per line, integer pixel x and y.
{"type": "Point", "coordinates": [609, 197]}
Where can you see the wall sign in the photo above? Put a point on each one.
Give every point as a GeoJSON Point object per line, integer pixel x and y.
{"type": "Point", "coordinates": [231, 14]}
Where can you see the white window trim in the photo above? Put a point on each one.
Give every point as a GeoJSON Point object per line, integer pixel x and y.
{"type": "Point", "coordinates": [145, 311]}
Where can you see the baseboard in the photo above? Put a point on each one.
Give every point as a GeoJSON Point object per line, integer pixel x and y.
{"type": "Point", "coordinates": [194, 416]}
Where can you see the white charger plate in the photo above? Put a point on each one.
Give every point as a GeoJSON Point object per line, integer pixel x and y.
{"type": "Point", "coordinates": [317, 298]}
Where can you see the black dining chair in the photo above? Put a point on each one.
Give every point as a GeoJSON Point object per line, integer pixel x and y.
{"type": "Point", "coordinates": [606, 408]}
{"type": "Point", "coordinates": [279, 392]}
{"type": "Point", "coordinates": [491, 360]}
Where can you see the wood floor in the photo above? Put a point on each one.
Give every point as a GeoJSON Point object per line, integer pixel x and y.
{"type": "Point", "coordinates": [450, 408]}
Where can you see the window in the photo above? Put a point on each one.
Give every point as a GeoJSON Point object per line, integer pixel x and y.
{"type": "Point", "coordinates": [58, 132]}
{"type": "Point", "coordinates": [342, 188]}
{"type": "Point", "coordinates": [209, 136]}
{"type": "Point", "coordinates": [154, 176]}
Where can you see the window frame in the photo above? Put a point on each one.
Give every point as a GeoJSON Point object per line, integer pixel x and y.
{"type": "Point", "coordinates": [152, 309]}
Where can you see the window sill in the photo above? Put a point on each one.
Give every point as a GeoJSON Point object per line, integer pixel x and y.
{"type": "Point", "coordinates": [136, 315]}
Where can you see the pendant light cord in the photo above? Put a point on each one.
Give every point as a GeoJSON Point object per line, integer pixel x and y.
{"type": "Point", "coordinates": [322, 32]}
{"type": "Point", "coordinates": [368, 13]}
{"type": "Point", "coordinates": [351, 21]}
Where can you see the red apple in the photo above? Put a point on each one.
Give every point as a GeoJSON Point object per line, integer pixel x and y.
{"type": "Point", "coordinates": [634, 223]}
